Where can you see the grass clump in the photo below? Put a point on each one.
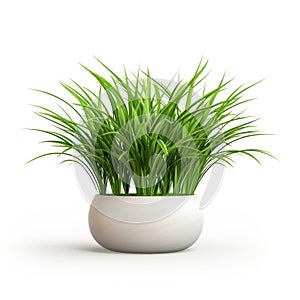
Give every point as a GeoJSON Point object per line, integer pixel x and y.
{"type": "Point", "coordinates": [159, 138]}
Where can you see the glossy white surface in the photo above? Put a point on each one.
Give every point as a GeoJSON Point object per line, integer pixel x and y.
{"type": "Point", "coordinates": [176, 230]}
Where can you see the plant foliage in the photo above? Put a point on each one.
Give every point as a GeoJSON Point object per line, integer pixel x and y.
{"type": "Point", "coordinates": [159, 138]}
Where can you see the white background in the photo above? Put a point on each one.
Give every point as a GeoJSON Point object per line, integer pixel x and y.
{"type": "Point", "coordinates": [249, 247]}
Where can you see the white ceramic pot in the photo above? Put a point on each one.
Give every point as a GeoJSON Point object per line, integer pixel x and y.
{"type": "Point", "coordinates": [145, 224]}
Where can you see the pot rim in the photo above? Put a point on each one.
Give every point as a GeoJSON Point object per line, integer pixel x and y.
{"type": "Point", "coordinates": [143, 196]}
{"type": "Point", "coordinates": [134, 199]}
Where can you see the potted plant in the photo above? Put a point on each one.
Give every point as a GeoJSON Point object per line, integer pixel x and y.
{"type": "Point", "coordinates": [146, 144]}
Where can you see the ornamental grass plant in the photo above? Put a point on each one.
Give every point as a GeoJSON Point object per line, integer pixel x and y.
{"type": "Point", "coordinates": [148, 137]}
